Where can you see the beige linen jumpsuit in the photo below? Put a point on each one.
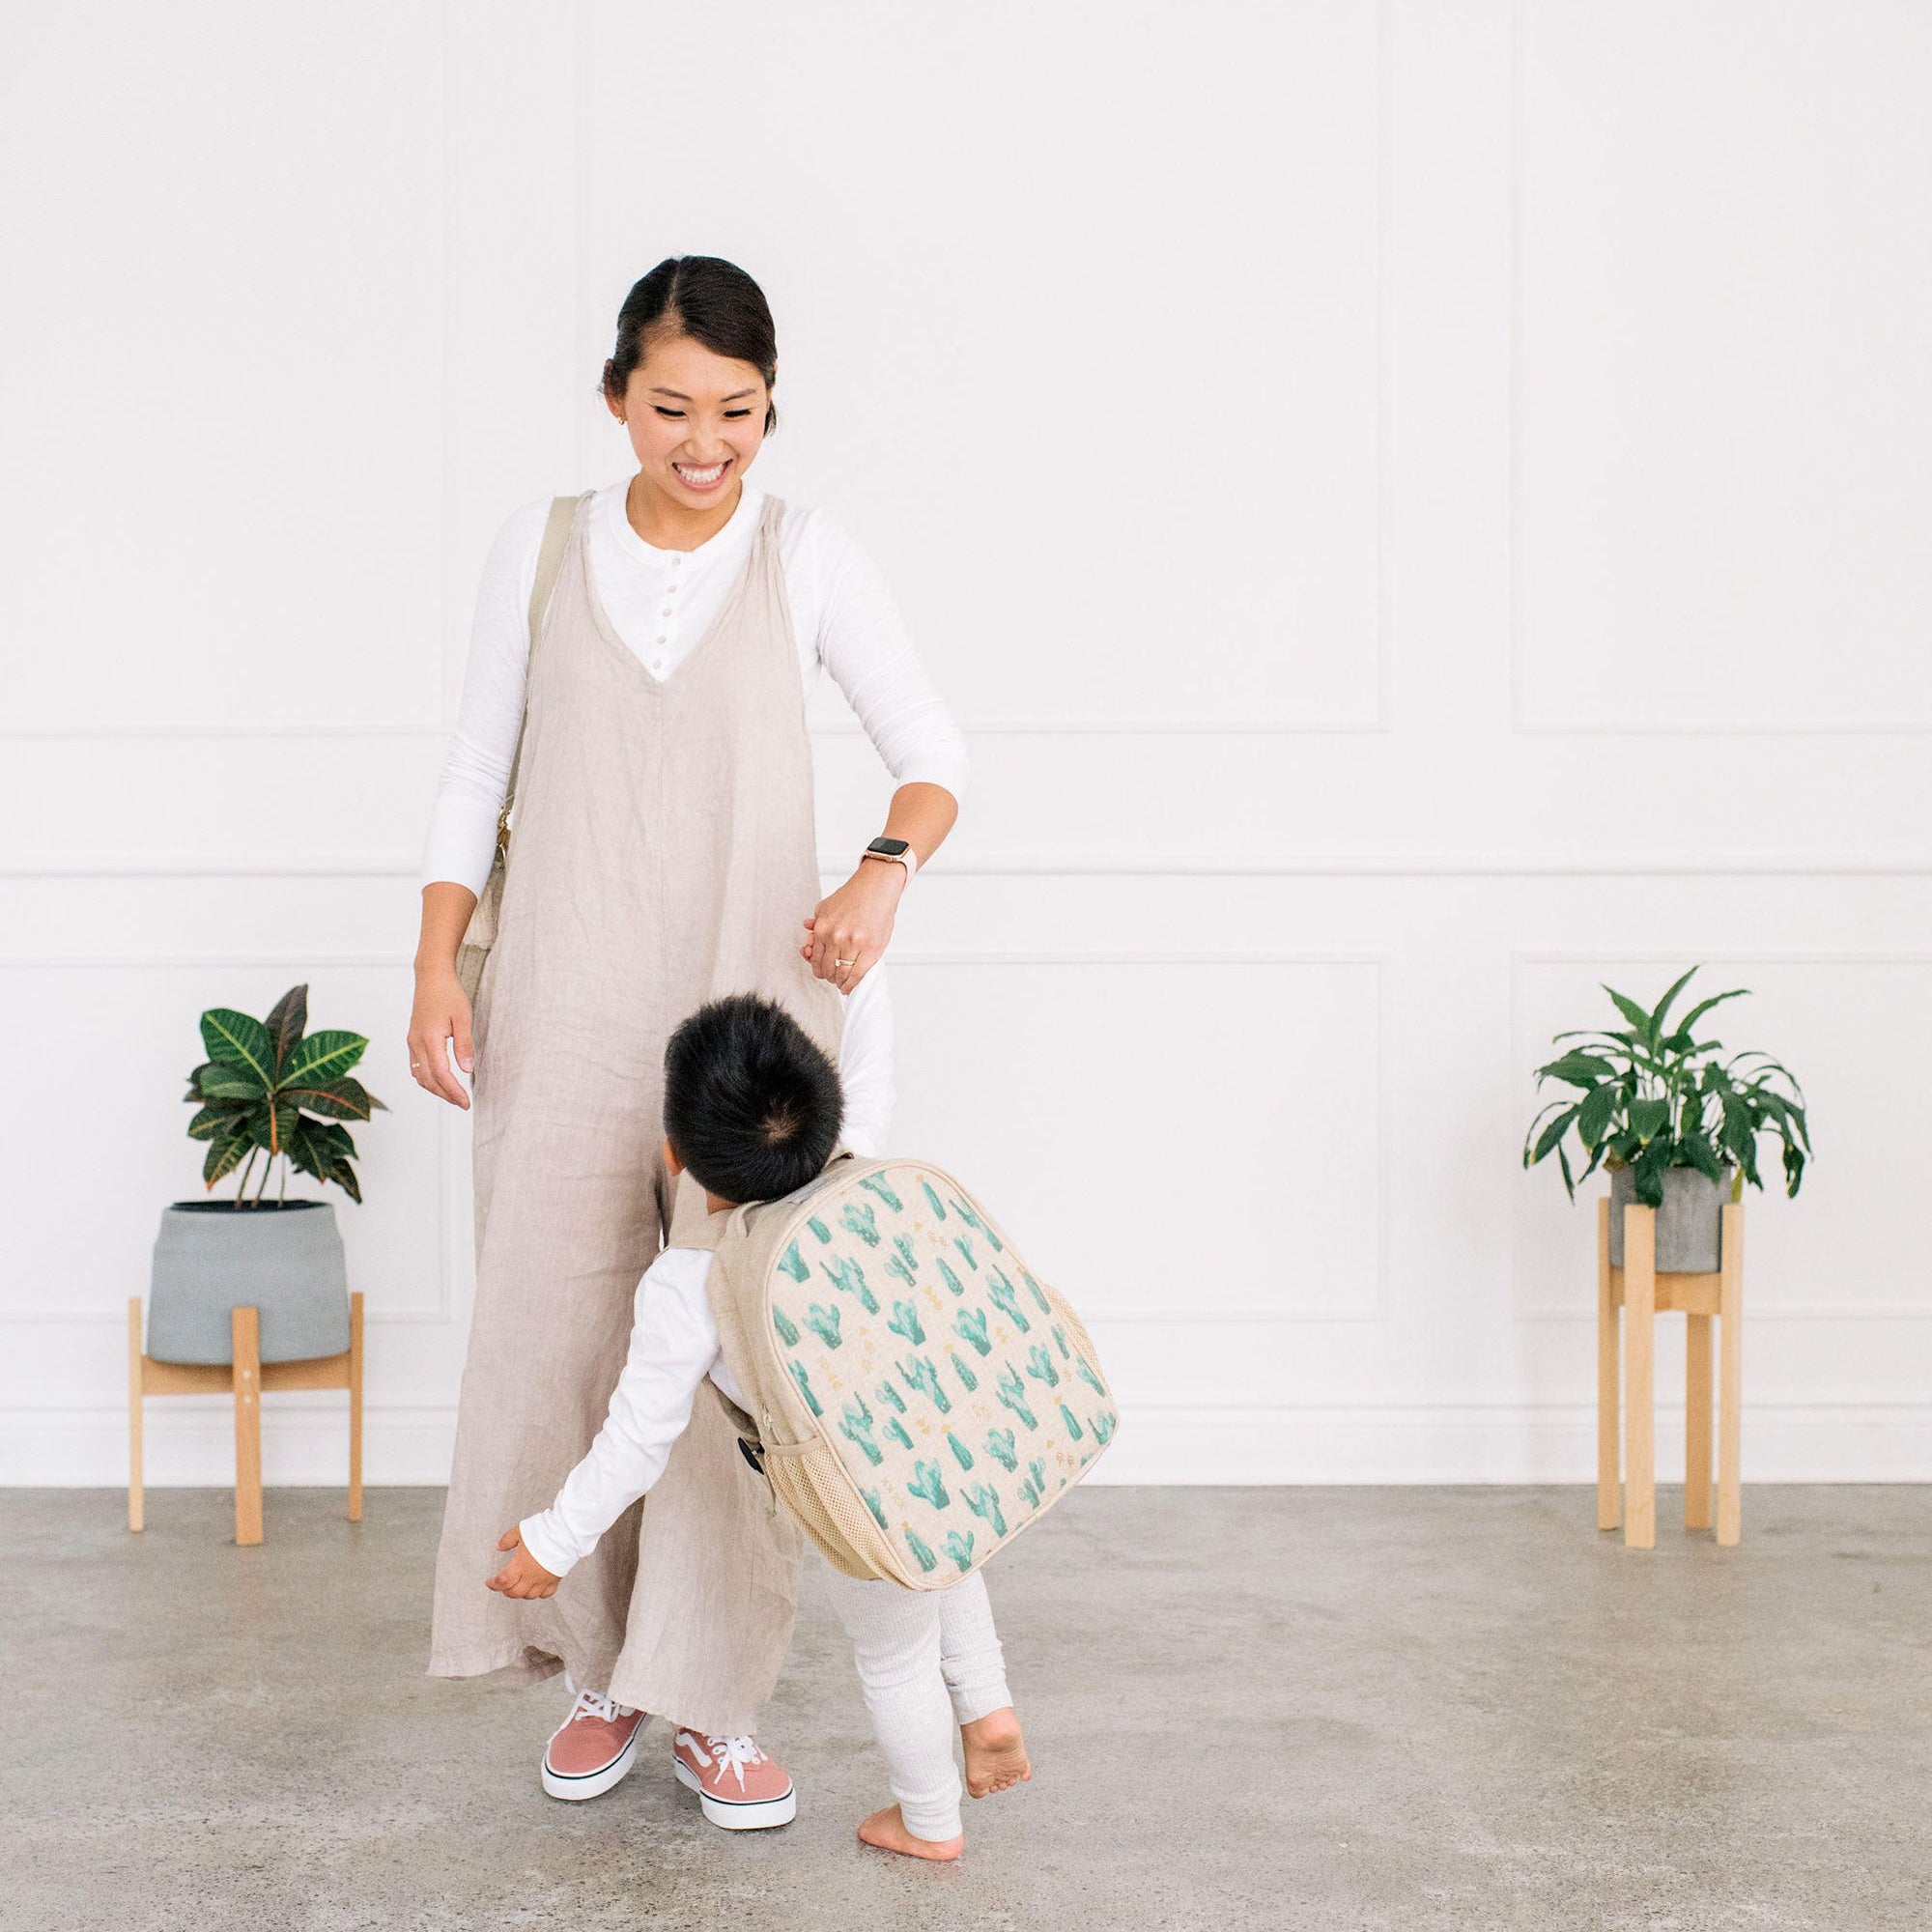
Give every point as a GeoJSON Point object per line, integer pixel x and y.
{"type": "Point", "coordinates": [665, 854]}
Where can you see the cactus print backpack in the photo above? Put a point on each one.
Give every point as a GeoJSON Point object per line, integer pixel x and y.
{"type": "Point", "coordinates": [921, 1396]}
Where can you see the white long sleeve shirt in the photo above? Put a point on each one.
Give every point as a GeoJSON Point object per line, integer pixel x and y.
{"type": "Point", "coordinates": [673, 1338]}
{"type": "Point", "coordinates": [661, 602]}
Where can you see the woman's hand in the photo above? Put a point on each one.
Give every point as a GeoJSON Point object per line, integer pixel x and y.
{"type": "Point", "coordinates": [522, 1576]}
{"type": "Point", "coordinates": [441, 1014]}
{"type": "Point", "coordinates": [848, 933]}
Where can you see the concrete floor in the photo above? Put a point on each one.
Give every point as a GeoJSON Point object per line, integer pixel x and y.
{"type": "Point", "coordinates": [1324, 1709]}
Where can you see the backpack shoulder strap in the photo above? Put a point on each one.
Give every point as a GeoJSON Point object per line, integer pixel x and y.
{"type": "Point", "coordinates": [550, 561]}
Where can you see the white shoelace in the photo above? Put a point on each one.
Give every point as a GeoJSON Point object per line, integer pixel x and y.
{"type": "Point", "coordinates": [733, 1755]}
{"type": "Point", "coordinates": [593, 1704]}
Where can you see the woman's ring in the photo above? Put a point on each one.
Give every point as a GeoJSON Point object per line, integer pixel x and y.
{"type": "Point", "coordinates": [844, 962]}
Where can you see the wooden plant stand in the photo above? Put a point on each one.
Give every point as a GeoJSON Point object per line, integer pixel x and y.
{"type": "Point", "coordinates": [248, 1378]}
{"type": "Point", "coordinates": [1643, 1294]}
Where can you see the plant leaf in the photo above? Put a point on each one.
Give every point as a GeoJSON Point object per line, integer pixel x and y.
{"type": "Point", "coordinates": [1634, 1013]}
{"type": "Point", "coordinates": [1599, 1111]}
{"type": "Point", "coordinates": [342, 1100]}
{"type": "Point", "coordinates": [234, 1037]}
{"type": "Point", "coordinates": [1577, 1070]}
{"type": "Point", "coordinates": [286, 1024]}
{"type": "Point", "coordinates": [1649, 1118]}
{"type": "Point", "coordinates": [212, 1122]}
{"type": "Point", "coordinates": [225, 1154]}
{"type": "Point", "coordinates": [1665, 1005]}
{"type": "Point", "coordinates": [232, 1080]}
{"type": "Point", "coordinates": [1554, 1132]}
{"type": "Point", "coordinates": [1698, 1152]}
{"type": "Point", "coordinates": [322, 1057]}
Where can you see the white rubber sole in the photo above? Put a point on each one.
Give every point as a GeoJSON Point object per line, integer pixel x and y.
{"type": "Point", "coordinates": [593, 1783]}
{"type": "Point", "coordinates": [743, 1816]}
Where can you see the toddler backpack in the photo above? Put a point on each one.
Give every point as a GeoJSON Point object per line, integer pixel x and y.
{"type": "Point", "coordinates": [921, 1397]}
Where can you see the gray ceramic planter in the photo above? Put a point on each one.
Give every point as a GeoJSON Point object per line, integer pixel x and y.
{"type": "Point", "coordinates": [284, 1259]}
{"type": "Point", "coordinates": [1689, 1223]}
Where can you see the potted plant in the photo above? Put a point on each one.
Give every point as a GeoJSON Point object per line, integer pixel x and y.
{"type": "Point", "coordinates": [268, 1093]}
{"type": "Point", "coordinates": [1674, 1120]}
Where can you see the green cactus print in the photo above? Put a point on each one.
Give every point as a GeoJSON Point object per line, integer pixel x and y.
{"type": "Point", "coordinates": [859, 1219]}
{"type": "Point", "coordinates": [1012, 1396]}
{"type": "Point", "coordinates": [979, 1227]}
{"type": "Point", "coordinates": [928, 1485]}
{"type": "Point", "coordinates": [983, 1501]}
{"type": "Point", "coordinates": [851, 1277]}
{"type": "Point", "coordinates": [855, 1424]}
{"type": "Point", "coordinates": [1000, 1290]}
{"type": "Point", "coordinates": [804, 1383]}
{"type": "Point", "coordinates": [904, 1262]}
{"type": "Point", "coordinates": [940, 1430]}
{"type": "Point", "coordinates": [875, 1183]}
{"type": "Point", "coordinates": [918, 1373]}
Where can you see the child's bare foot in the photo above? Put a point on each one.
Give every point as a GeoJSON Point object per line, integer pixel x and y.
{"type": "Point", "coordinates": [996, 1754]}
{"type": "Point", "coordinates": [888, 1831]}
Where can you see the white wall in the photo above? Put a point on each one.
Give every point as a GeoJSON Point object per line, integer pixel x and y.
{"type": "Point", "coordinates": [1420, 509]}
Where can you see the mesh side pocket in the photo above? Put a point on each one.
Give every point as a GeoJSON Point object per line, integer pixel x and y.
{"type": "Point", "coordinates": [812, 1482]}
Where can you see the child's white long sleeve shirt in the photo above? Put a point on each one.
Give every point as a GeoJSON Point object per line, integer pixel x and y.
{"type": "Point", "coordinates": [673, 1338]}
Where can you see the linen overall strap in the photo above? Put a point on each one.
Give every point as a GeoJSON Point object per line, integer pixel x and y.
{"type": "Point", "coordinates": [550, 559]}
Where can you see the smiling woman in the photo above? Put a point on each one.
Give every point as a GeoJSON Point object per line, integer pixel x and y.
{"type": "Point", "coordinates": [644, 703]}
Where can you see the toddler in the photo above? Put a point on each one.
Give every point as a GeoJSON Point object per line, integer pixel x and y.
{"type": "Point", "coordinates": [754, 1109]}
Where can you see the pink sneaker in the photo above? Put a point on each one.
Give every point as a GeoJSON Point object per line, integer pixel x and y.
{"type": "Point", "coordinates": [592, 1748]}
{"type": "Point", "coordinates": [737, 1786]}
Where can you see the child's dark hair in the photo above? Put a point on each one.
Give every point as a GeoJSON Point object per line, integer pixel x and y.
{"type": "Point", "coordinates": [752, 1106]}
{"type": "Point", "coordinates": [713, 301]}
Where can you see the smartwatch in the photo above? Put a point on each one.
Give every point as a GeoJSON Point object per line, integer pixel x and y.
{"type": "Point", "coordinates": [898, 849]}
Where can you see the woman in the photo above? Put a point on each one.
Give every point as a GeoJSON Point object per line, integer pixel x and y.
{"type": "Point", "coordinates": [663, 854]}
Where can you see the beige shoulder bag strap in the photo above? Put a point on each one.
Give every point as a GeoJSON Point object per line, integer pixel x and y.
{"type": "Point", "coordinates": [550, 559]}
{"type": "Point", "coordinates": [481, 933]}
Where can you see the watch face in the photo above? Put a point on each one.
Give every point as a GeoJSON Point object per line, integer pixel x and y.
{"type": "Point", "coordinates": [890, 847]}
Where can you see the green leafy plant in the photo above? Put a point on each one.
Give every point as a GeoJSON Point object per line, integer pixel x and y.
{"type": "Point", "coordinates": [258, 1087]}
{"type": "Point", "coordinates": [1652, 1096]}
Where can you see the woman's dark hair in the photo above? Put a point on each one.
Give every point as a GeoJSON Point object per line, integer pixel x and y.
{"type": "Point", "coordinates": [711, 301]}
{"type": "Point", "coordinates": [751, 1105]}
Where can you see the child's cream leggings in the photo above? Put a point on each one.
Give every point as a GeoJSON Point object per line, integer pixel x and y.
{"type": "Point", "coordinates": [930, 1661]}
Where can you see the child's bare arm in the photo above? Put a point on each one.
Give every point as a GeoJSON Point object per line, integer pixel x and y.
{"type": "Point", "coordinates": [522, 1576]}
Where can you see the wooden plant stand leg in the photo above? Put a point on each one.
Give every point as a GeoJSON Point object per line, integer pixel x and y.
{"type": "Point", "coordinates": [1609, 1484]}
{"type": "Point", "coordinates": [1696, 1421]}
{"type": "Point", "coordinates": [1639, 1378]}
{"type": "Point", "coordinates": [355, 1407]}
{"type": "Point", "coordinates": [137, 1508]}
{"type": "Point", "coordinates": [1730, 1400]}
{"type": "Point", "coordinates": [246, 1327]}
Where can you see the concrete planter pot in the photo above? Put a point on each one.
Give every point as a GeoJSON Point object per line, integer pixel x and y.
{"type": "Point", "coordinates": [1690, 1225]}
{"type": "Point", "coordinates": [284, 1257]}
